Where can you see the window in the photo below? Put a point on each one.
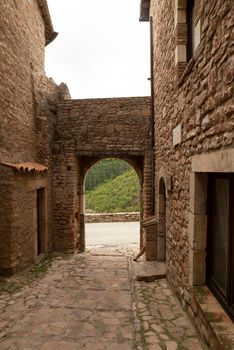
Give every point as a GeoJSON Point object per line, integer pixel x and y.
{"type": "Point", "coordinates": [190, 29]}
{"type": "Point", "coordinates": [188, 32]}
{"type": "Point", "coordinates": [220, 239]}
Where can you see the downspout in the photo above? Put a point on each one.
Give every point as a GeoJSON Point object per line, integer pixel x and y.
{"type": "Point", "coordinates": [152, 111]}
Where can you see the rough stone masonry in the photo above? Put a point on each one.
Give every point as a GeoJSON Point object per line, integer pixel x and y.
{"type": "Point", "coordinates": [192, 82]}
{"type": "Point", "coordinates": [48, 142]}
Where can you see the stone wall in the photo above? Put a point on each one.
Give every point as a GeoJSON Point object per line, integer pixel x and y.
{"type": "Point", "coordinates": [118, 124]}
{"type": "Point", "coordinates": [22, 62]}
{"type": "Point", "coordinates": [86, 132]}
{"type": "Point", "coordinates": [112, 217]}
{"type": "Point", "coordinates": [28, 101]}
{"type": "Point", "coordinates": [18, 217]}
{"type": "Point", "coordinates": [6, 212]}
{"type": "Point", "coordinates": [200, 103]}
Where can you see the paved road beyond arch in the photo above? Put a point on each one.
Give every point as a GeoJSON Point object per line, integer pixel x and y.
{"type": "Point", "coordinates": [112, 233]}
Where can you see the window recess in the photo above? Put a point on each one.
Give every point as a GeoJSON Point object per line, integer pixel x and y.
{"type": "Point", "coordinates": [187, 32]}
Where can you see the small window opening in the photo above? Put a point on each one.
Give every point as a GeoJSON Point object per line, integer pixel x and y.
{"type": "Point", "coordinates": [191, 29]}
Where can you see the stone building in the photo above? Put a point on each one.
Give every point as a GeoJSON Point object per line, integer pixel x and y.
{"type": "Point", "coordinates": [27, 116]}
{"type": "Point", "coordinates": [192, 83]}
{"type": "Point", "coordinates": [86, 132]}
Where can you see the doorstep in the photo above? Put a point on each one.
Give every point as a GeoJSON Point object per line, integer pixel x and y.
{"type": "Point", "coordinates": [148, 271]}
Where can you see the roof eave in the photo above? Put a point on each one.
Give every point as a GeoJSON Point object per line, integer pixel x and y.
{"type": "Point", "coordinates": [50, 38]}
{"type": "Point", "coordinates": [50, 34]}
{"type": "Point", "coordinates": [144, 11]}
{"type": "Point", "coordinates": [26, 167]}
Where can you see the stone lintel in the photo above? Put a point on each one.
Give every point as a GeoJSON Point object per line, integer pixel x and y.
{"type": "Point", "coordinates": [215, 162]}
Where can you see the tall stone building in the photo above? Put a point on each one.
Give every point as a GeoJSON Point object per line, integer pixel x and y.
{"type": "Point", "coordinates": [193, 93]}
{"type": "Point", "coordinates": [27, 116]}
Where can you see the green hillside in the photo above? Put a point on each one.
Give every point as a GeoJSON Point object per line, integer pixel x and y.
{"type": "Point", "coordinates": [120, 194]}
{"type": "Point", "coordinates": [104, 171]}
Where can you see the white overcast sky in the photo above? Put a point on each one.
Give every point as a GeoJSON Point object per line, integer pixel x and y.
{"type": "Point", "coordinates": [102, 49]}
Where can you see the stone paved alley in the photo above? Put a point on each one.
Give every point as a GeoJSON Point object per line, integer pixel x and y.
{"type": "Point", "coordinates": [89, 301]}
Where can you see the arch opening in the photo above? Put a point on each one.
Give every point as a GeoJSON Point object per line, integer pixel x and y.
{"type": "Point", "coordinates": [112, 189]}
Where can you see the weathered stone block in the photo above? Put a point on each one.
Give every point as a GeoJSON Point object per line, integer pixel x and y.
{"type": "Point", "coordinates": [197, 231]}
{"type": "Point", "coordinates": [198, 193]}
{"type": "Point", "coordinates": [197, 268]}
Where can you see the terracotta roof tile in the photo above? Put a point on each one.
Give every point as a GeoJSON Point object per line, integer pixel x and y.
{"type": "Point", "coordinates": [26, 167]}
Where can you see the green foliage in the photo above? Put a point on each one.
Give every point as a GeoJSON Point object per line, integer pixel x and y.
{"type": "Point", "coordinates": [104, 171]}
{"type": "Point", "coordinates": [120, 194]}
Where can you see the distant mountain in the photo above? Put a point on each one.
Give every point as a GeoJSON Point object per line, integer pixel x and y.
{"type": "Point", "coordinates": [110, 192]}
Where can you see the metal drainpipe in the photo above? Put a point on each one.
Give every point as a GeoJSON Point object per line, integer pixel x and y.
{"type": "Point", "coordinates": [152, 110]}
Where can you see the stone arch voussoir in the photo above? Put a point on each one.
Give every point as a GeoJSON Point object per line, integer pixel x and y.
{"type": "Point", "coordinates": [162, 175]}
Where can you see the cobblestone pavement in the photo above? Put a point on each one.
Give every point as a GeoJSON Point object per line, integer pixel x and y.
{"type": "Point", "coordinates": [88, 301]}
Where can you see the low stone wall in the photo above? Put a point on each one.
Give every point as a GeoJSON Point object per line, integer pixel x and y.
{"type": "Point", "coordinates": [112, 217]}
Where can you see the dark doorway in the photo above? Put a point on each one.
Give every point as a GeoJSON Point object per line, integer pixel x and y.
{"type": "Point", "coordinates": [220, 239]}
{"type": "Point", "coordinates": [40, 221]}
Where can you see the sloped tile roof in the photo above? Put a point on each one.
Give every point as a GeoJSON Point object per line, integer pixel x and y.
{"type": "Point", "coordinates": [26, 167]}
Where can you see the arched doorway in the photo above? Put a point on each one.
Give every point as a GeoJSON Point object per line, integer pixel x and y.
{"type": "Point", "coordinates": [110, 190]}
{"type": "Point", "coordinates": [162, 221]}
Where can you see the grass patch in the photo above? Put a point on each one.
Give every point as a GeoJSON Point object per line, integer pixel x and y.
{"type": "Point", "coordinates": [120, 194]}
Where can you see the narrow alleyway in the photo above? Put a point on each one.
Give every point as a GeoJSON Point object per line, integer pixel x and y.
{"type": "Point", "coordinates": [89, 301]}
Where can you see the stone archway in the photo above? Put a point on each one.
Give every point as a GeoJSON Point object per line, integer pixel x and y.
{"type": "Point", "coordinates": [162, 221]}
{"type": "Point", "coordinates": [85, 163]}
{"type": "Point", "coordinates": [88, 131]}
